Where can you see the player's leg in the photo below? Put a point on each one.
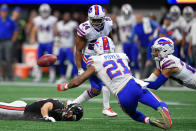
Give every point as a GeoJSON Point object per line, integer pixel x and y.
{"type": "Point", "coordinates": [37, 71]}
{"type": "Point", "coordinates": [128, 100]}
{"type": "Point", "coordinates": [61, 58]}
{"type": "Point", "coordinates": [150, 99]}
{"type": "Point", "coordinates": [107, 110]}
{"type": "Point", "coordinates": [52, 71]}
{"type": "Point", "coordinates": [15, 108]}
{"type": "Point", "coordinates": [70, 57]}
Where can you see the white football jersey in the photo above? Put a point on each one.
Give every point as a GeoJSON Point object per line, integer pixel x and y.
{"type": "Point", "coordinates": [66, 33]}
{"type": "Point", "coordinates": [45, 31]}
{"type": "Point", "coordinates": [180, 24]}
{"type": "Point", "coordinates": [125, 26]}
{"type": "Point", "coordinates": [87, 31]}
{"type": "Point", "coordinates": [112, 69]}
{"type": "Point", "coordinates": [186, 74]}
{"type": "Point", "coordinates": [187, 30]}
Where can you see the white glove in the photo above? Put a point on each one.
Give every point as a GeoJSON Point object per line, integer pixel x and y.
{"type": "Point", "coordinates": [80, 71]}
{"type": "Point", "coordinates": [47, 118]}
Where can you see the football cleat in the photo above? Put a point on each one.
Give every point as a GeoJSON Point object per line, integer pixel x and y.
{"type": "Point", "coordinates": [166, 117]}
{"type": "Point", "coordinates": [157, 123]}
{"type": "Point", "coordinates": [109, 112]}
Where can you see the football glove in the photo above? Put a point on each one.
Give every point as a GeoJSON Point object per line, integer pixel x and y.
{"type": "Point", "coordinates": [80, 71]}
{"type": "Point", "coordinates": [50, 119]}
{"type": "Point", "coordinates": [62, 87]}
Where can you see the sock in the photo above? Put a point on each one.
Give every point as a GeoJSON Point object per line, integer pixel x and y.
{"type": "Point", "coordinates": [106, 97]}
{"type": "Point", "coordinates": [147, 120]}
{"type": "Point", "coordinates": [52, 74]}
{"type": "Point", "coordinates": [82, 98]}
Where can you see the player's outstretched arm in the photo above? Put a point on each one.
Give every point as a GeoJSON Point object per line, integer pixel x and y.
{"type": "Point", "coordinates": [78, 80]}
{"type": "Point", "coordinates": [33, 34]}
{"type": "Point", "coordinates": [44, 111]}
{"type": "Point", "coordinates": [162, 78]}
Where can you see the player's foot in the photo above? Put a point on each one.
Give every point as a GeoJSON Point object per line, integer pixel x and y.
{"type": "Point", "coordinates": [166, 117]}
{"type": "Point", "coordinates": [109, 112]}
{"type": "Point", "coordinates": [36, 80]}
{"type": "Point", "coordinates": [157, 123]}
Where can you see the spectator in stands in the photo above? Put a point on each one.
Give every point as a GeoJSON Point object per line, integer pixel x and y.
{"type": "Point", "coordinates": [21, 34]}
{"type": "Point", "coordinates": [143, 30]}
{"type": "Point", "coordinates": [8, 35]}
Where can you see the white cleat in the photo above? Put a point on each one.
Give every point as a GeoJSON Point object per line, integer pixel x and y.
{"type": "Point", "coordinates": [109, 112]}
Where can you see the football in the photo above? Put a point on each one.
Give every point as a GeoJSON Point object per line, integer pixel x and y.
{"type": "Point", "coordinates": [47, 60]}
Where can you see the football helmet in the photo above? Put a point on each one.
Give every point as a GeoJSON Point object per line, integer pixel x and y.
{"type": "Point", "coordinates": [188, 13]}
{"type": "Point", "coordinates": [126, 10]}
{"type": "Point", "coordinates": [162, 47]}
{"type": "Point", "coordinates": [96, 16]}
{"type": "Point", "coordinates": [175, 12]}
{"type": "Point", "coordinates": [72, 112]}
{"type": "Point", "coordinates": [44, 10]}
{"type": "Point", "coordinates": [104, 45]}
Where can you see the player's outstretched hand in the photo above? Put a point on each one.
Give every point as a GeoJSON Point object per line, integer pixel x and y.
{"type": "Point", "coordinates": [47, 118]}
{"type": "Point", "coordinates": [62, 87]}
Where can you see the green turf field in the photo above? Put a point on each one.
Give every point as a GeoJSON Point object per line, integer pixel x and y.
{"type": "Point", "coordinates": [182, 106]}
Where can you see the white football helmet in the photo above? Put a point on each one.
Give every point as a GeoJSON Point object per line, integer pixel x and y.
{"type": "Point", "coordinates": [188, 13]}
{"type": "Point", "coordinates": [126, 10]}
{"type": "Point", "coordinates": [175, 12]}
{"type": "Point", "coordinates": [44, 10]}
{"type": "Point", "coordinates": [96, 16]}
{"type": "Point", "coordinates": [104, 45]}
{"type": "Point", "coordinates": [164, 46]}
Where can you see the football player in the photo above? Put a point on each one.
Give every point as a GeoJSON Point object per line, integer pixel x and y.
{"type": "Point", "coordinates": [66, 29]}
{"type": "Point", "coordinates": [45, 29]}
{"type": "Point", "coordinates": [51, 110]}
{"type": "Point", "coordinates": [112, 68]}
{"type": "Point", "coordinates": [87, 34]}
{"type": "Point", "coordinates": [188, 15]}
{"type": "Point", "coordinates": [169, 66]}
{"type": "Point", "coordinates": [126, 21]}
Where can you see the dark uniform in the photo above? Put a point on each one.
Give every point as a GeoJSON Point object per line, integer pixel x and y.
{"type": "Point", "coordinates": [34, 110]}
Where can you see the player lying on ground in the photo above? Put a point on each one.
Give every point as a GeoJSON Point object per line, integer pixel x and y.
{"type": "Point", "coordinates": [112, 68]}
{"type": "Point", "coordinates": [48, 109]}
{"type": "Point", "coordinates": [169, 66]}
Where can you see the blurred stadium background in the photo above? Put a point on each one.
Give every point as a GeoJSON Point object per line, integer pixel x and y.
{"type": "Point", "coordinates": [21, 86]}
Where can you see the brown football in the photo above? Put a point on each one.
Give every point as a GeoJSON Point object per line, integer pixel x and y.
{"type": "Point", "coordinates": [47, 60]}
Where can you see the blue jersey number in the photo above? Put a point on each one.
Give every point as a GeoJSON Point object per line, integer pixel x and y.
{"type": "Point", "coordinates": [188, 67]}
{"type": "Point", "coordinates": [113, 71]}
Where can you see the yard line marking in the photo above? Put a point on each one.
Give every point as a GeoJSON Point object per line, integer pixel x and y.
{"type": "Point", "coordinates": [99, 100]}
{"type": "Point", "coordinates": [165, 88]}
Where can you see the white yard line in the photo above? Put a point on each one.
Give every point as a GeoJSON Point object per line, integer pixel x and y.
{"type": "Point", "coordinates": [98, 100]}
{"type": "Point", "coordinates": [167, 88]}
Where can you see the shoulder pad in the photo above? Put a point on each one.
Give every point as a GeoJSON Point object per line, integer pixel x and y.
{"type": "Point", "coordinates": [167, 62]}
{"type": "Point", "coordinates": [83, 29]}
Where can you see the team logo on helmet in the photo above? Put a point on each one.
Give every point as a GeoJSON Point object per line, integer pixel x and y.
{"type": "Point", "coordinates": [164, 42]}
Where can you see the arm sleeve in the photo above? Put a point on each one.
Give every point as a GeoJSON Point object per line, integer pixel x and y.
{"type": "Point", "coordinates": [167, 64]}
{"type": "Point", "coordinates": [94, 62]}
{"type": "Point", "coordinates": [156, 84]}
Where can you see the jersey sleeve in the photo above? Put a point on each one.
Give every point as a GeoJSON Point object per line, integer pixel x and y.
{"type": "Point", "coordinates": [93, 61]}
{"type": "Point", "coordinates": [109, 21]}
{"type": "Point", "coordinates": [81, 30]}
{"type": "Point", "coordinates": [167, 63]}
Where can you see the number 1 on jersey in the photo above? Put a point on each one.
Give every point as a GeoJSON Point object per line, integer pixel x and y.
{"type": "Point", "coordinates": [115, 70]}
